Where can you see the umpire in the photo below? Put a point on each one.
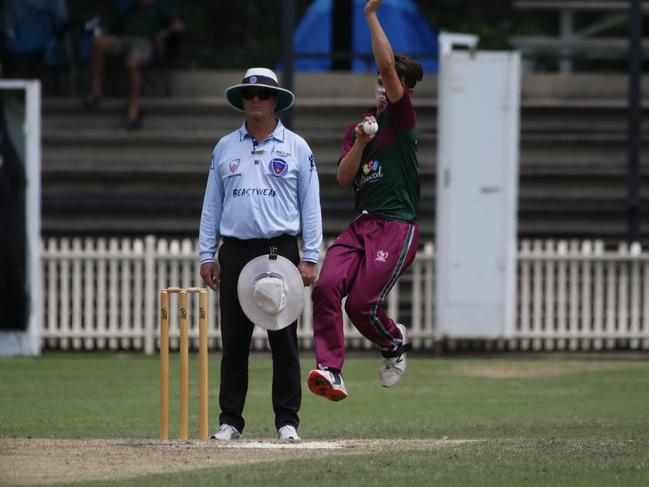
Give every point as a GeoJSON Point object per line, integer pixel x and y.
{"type": "Point", "coordinates": [262, 192]}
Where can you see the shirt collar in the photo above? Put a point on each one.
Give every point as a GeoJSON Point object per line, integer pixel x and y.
{"type": "Point", "coordinates": [277, 134]}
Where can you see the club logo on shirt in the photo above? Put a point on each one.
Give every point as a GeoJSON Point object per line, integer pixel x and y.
{"type": "Point", "coordinates": [381, 256]}
{"type": "Point", "coordinates": [278, 167]}
{"type": "Point", "coordinates": [234, 165]}
{"type": "Point", "coordinates": [372, 173]}
{"type": "Point", "coordinates": [371, 166]}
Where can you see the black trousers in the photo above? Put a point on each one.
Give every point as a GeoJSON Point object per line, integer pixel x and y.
{"type": "Point", "coordinates": [236, 332]}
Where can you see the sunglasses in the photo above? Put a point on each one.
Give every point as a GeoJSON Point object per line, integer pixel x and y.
{"type": "Point", "coordinates": [261, 93]}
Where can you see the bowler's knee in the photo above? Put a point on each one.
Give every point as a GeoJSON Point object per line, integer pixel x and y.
{"type": "Point", "coordinates": [357, 310]}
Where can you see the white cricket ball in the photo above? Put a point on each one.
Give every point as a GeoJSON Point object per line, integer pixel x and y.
{"type": "Point", "coordinates": [370, 128]}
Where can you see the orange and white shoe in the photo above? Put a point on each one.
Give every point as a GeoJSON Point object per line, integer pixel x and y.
{"type": "Point", "coordinates": [327, 383]}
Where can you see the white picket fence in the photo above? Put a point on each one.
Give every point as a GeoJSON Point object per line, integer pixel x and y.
{"type": "Point", "coordinates": [103, 294]}
{"type": "Point", "coordinates": [576, 295]}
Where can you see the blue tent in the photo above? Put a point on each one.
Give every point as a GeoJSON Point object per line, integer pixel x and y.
{"type": "Point", "coordinates": [406, 28]}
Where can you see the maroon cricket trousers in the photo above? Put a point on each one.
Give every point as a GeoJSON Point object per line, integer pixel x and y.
{"type": "Point", "coordinates": [363, 264]}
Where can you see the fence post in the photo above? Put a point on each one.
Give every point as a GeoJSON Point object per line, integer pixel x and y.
{"type": "Point", "coordinates": [537, 295]}
{"type": "Point", "coordinates": [598, 291]}
{"type": "Point", "coordinates": [52, 293]}
{"type": "Point", "coordinates": [573, 290]}
{"type": "Point", "coordinates": [634, 305]}
{"type": "Point", "coordinates": [586, 303]}
{"type": "Point", "coordinates": [562, 293]}
{"type": "Point", "coordinates": [149, 294]}
{"type": "Point", "coordinates": [429, 293]}
{"type": "Point", "coordinates": [524, 292]}
{"type": "Point", "coordinates": [416, 313]}
{"type": "Point", "coordinates": [549, 296]}
{"type": "Point", "coordinates": [64, 290]}
{"type": "Point", "coordinates": [622, 328]}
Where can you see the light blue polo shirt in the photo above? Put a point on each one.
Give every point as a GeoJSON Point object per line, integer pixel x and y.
{"type": "Point", "coordinates": [261, 191]}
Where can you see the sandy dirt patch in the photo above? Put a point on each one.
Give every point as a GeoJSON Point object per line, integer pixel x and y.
{"type": "Point", "coordinates": [534, 369]}
{"type": "Point", "coordinates": [43, 461]}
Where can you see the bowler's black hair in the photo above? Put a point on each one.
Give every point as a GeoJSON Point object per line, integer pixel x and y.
{"type": "Point", "coordinates": [408, 69]}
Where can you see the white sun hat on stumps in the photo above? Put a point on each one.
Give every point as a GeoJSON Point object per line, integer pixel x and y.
{"type": "Point", "coordinates": [271, 291]}
{"type": "Point", "coordinates": [264, 78]}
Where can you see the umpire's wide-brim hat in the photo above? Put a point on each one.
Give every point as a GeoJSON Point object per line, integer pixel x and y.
{"type": "Point", "coordinates": [271, 291]}
{"type": "Point", "coordinates": [262, 77]}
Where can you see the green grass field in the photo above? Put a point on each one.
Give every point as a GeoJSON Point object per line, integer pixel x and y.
{"type": "Point", "coordinates": [539, 419]}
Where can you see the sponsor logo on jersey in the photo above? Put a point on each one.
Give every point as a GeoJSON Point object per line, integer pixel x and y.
{"type": "Point", "coordinates": [371, 166]}
{"type": "Point", "coordinates": [372, 173]}
{"type": "Point", "coordinates": [283, 154]}
{"type": "Point", "coordinates": [278, 167]}
{"type": "Point", "coordinates": [381, 256]}
{"type": "Point", "coordinates": [234, 165]}
{"type": "Point", "coordinates": [247, 192]}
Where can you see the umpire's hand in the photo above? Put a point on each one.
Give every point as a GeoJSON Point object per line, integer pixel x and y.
{"type": "Point", "coordinates": [211, 274]}
{"type": "Point", "coordinates": [307, 271]}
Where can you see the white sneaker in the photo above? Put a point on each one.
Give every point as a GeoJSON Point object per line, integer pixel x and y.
{"type": "Point", "coordinates": [288, 433]}
{"type": "Point", "coordinates": [325, 383]}
{"type": "Point", "coordinates": [226, 432]}
{"type": "Point", "coordinates": [394, 362]}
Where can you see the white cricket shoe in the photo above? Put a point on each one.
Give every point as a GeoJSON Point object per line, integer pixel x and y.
{"type": "Point", "coordinates": [288, 433]}
{"type": "Point", "coordinates": [226, 432]}
{"type": "Point", "coordinates": [394, 362]}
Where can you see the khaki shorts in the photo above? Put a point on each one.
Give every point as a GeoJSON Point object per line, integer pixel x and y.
{"type": "Point", "coordinates": [136, 47]}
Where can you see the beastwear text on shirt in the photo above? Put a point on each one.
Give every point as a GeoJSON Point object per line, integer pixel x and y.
{"type": "Point", "coordinates": [253, 192]}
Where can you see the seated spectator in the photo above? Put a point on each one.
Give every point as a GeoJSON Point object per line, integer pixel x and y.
{"type": "Point", "coordinates": [31, 35]}
{"type": "Point", "coordinates": [137, 31]}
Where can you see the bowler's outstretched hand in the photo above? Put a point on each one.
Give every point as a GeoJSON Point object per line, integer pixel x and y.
{"type": "Point", "coordinates": [372, 6]}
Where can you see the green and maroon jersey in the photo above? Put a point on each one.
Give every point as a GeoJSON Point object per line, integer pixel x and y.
{"type": "Point", "coordinates": [387, 183]}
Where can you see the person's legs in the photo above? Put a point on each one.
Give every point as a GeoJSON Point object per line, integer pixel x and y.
{"type": "Point", "coordinates": [134, 81]}
{"type": "Point", "coordinates": [336, 277]}
{"type": "Point", "coordinates": [102, 45]}
{"type": "Point", "coordinates": [140, 52]}
{"type": "Point", "coordinates": [286, 388]}
{"type": "Point", "coordinates": [236, 333]}
{"type": "Point", "coordinates": [97, 65]}
{"type": "Point", "coordinates": [338, 273]}
{"type": "Point", "coordinates": [390, 247]}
